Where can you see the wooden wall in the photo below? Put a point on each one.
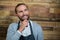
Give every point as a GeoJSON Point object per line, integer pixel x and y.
{"type": "Point", "coordinates": [44, 12]}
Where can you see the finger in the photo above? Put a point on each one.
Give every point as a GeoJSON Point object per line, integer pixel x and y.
{"type": "Point", "coordinates": [26, 20]}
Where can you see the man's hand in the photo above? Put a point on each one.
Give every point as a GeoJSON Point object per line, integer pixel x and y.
{"type": "Point", "coordinates": [23, 25]}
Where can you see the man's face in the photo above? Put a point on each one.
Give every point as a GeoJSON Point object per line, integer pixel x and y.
{"type": "Point", "coordinates": [22, 12]}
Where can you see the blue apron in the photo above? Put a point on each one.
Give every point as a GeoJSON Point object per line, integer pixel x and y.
{"type": "Point", "coordinates": [30, 37]}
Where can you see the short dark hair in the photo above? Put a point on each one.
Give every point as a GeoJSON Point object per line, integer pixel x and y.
{"type": "Point", "coordinates": [19, 5]}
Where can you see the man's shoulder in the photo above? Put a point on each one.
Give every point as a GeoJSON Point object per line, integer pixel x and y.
{"type": "Point", "coordinates": [35, 23]}
{"type": "Point", "coordinates": [13, 25]}
{"type": "Point", "coordinates": [36, 26]}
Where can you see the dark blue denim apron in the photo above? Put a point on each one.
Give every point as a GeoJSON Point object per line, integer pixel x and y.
{"type": "Point", "coordinates": [30, 37]}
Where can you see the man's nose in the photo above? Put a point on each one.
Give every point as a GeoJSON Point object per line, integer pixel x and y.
{"type": "Point", "coordinates": [24, 12]}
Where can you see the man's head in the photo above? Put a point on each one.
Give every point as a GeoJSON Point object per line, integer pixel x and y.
{"type": "Point", "coordinates": [22, 11]}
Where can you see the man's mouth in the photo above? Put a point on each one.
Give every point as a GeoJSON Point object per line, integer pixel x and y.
{"type": "Point", "coordinates": [25, 17]}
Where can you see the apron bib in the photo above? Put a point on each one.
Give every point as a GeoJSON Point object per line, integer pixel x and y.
{"type": "Point", "coordinates": [30, 37]}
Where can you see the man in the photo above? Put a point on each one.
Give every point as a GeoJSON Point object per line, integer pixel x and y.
{"type": "Point", "coordinates": [25, 29]}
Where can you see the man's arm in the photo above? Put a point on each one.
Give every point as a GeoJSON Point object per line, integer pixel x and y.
{"type": "Point", "coordinates": [40, 33]}
{"type": "Point", "coordinates": [12, 34]}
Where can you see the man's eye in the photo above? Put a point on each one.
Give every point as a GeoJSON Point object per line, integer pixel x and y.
{"type": "Point", "coordinates": [26, 9]}
{"type": "Point", "coordinates": [20, 11]}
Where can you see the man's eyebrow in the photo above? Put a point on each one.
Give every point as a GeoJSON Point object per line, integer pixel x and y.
{"type": "Point", "coordinates": [26, 9]}
{"type": "Point", "coordinates": [20, 11]}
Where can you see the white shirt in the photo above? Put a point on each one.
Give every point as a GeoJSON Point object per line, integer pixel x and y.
{"type": "Point", "coordinates": [26, 31]}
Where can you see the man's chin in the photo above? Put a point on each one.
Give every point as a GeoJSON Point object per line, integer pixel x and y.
{"type": "Point", "coordinates": [23, 19]}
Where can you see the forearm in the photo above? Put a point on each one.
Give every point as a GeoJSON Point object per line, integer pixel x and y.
{"type": "Point", "coordinates": [15, 36]}
{"type": "Point", "coordinates": [40, 34]}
